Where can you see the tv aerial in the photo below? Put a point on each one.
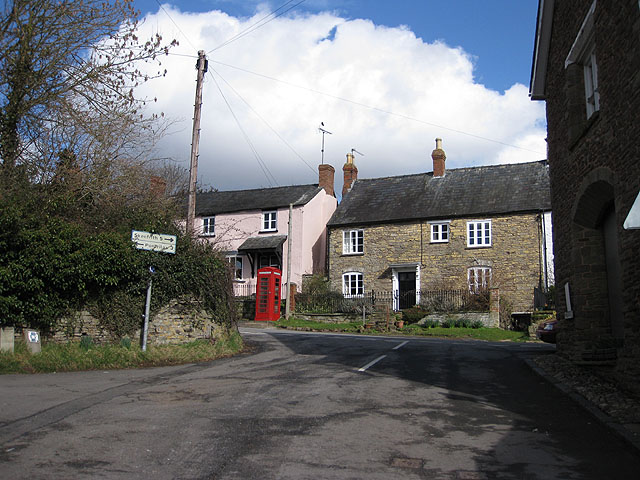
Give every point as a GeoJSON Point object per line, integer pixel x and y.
{"type": "Point", "coordinates": [322, 130]}
{"type": "Point", "coordinates": [353, 150]}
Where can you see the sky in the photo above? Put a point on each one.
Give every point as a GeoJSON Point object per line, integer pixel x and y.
{"type": "Point", "coordinates": [384, 77]}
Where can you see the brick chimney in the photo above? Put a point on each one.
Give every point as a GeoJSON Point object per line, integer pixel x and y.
{"type": "Point", "coordinates": [326, 175]}
{"type": "Point", "coordinates": [350, 174]}
{"type": "Point", "coordinates": [438, 157]}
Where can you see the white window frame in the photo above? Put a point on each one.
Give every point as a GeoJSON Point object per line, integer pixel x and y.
{"type": "Point", "coordinates": [237, 268]}
{"type": "Point", "coordinates": [353, 242]}
{"type": "Point", "coordinates": [208, 226]}
{"type": "Point", "coordinates": [353, 284]}
{"type": "Point", "coordinates": [484, 273]}
{"type": "Point", "coordinates": [269, 221]}
{"type": "Point", "coordinates": [582, 52]}
{"type": "Point", "coordinates": [440, 232]}
{"type": "Point", "coordinates": [479, 241]}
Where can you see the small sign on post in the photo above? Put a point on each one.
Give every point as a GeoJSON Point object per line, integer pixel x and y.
{"type": "Point", "coordinates": [155, 242]}
{"type": "Point", "coordinates": [32, 339]}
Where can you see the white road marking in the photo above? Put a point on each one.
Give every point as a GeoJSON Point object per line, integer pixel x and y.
{"type": "Point", "coordinates": [371, 363]}
{"type": "Point", "coordinates": [400, 345]}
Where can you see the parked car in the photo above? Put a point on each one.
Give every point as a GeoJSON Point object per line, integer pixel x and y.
{"type": "Point", "coordinates": [547, 331]}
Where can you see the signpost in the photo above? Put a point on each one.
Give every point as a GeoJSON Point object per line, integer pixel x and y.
{"type": "Point", "coordinates": [155, 242]}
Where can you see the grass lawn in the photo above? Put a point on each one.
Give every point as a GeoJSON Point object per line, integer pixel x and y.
{"type": "Point", "coordinates": [489, 334]}
{"type": "Point", "coordinates": [75, 356]}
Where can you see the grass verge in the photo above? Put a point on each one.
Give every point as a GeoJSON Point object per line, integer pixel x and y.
{"type": "Point", "coordinates": [75, 356]}
{"type": "Point", "coordinates": [488, 334]}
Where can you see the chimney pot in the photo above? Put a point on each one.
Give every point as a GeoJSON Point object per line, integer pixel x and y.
{"type": "Point", "coordinates": [350, 174]}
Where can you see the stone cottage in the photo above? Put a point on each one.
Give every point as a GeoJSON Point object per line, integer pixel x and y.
{"type": "Point", "coordinates": [466, 228]}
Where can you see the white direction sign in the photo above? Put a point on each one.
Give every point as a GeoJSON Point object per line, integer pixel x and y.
{"type": "Point", "coordinates": [157, 242]}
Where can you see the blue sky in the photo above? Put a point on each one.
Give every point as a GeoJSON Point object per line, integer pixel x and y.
{"type": "Point", "coordinates": [386, 76]}
{"type": "Point", "coordinates": [498, 33]}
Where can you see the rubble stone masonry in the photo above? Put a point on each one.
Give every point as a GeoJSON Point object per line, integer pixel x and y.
{"type": "Point", "coordinates": [514, 256]}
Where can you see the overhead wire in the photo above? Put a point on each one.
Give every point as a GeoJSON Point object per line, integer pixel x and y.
{"type": "Point", "coordinates": [176, 25]}
{"type": "Point", "coordinates": [264, 121]}
{"type": "Point", "coordinates": [255, 26]}
{"type": "Point", "coordinates": [263, 166]}
{"type": "Point", "coordinates": [381, 110]}
{"type": "Point", "coordinates": [261, 162]}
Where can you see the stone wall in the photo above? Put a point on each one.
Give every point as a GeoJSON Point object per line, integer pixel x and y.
{"type": "Point", "coordinates": [514, 256]}
{"type": "Point", "coordinates": [594, 165]}
{"type": "Point", "coordinates": [181, 321]}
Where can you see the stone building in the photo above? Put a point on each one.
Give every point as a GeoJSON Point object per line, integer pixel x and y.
{"type": "Point", "coordinates": [586, 67]}
{"type": "Point", "coordinates": [466, 228]}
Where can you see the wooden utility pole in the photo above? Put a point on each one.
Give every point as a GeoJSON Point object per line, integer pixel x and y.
{"type": "Point", "coordinates": [201, 66]}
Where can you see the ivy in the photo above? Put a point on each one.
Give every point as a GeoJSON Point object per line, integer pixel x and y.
{"type": "Point", "coordinates": [51, 266]}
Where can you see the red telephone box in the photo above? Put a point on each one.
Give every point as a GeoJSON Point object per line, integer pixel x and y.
{"type": "Point", "coordinates": [268, 294]}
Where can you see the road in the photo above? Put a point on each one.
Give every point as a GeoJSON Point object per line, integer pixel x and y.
{"type": "Point", "coordinates": [310, 406]}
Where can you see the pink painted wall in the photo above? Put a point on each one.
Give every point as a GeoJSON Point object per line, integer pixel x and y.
{"type": "Point", "coordinates": [308, 237]}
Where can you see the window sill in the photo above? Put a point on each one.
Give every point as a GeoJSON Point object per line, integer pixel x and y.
{"type": "Point", "coordinates": [439, 241]}
{"type": "Point", "coordinates": [360, 254]}
{"type": "Point", "coordinates": [268, 231]}
{"type": "Point", "coordinates": [475, 247]}
{"type": "Point", "coordinates": [207, 235]}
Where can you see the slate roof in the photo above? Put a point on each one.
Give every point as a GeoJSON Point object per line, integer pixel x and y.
{"type": "Point", "coordinates": [213, 203]}
{"type": "Point", "coordinates": [266, 242]}
{"type": "Point", "coordinates": [462, 192]}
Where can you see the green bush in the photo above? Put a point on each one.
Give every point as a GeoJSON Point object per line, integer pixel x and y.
{"type": "Point", "coordinates": [57, 260]}
{"type": "Point", "coordinates": [448, 323]}
{"type": "Point", "coordinates": [430, 324]}
{"type": "Point", "coordinates": [413, 314]}
{"type": "Point", "coordinates": [477, 324]}
{"type": "Point", "coordinates": [462, 323]}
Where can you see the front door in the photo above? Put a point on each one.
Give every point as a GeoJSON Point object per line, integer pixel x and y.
{"type": "Point", "coordinates": [406, 289]}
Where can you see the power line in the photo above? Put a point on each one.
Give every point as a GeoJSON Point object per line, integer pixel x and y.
{"type": "Point", "coordinates": [255, 26]}
{"type": "Point", "coordinates": [264, 121]}
{"type": "Point", "coordinates": [388, 112]}
{"type": "Point", "coordinates": [261, 163]}
{"type": "Point", "coordinates": [176, 25]}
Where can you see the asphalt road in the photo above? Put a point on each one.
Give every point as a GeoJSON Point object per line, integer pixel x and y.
{"type": "Point", "coordinates": [311, 406]}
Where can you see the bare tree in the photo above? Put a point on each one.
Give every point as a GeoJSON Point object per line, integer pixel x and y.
{"type": "Point", "coordinates": [68, 71]}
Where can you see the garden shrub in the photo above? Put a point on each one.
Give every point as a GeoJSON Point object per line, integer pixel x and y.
{"type": "Point", "coordinates": [413, 314]}
{"type": "Point", "coordinates": [448, 323]}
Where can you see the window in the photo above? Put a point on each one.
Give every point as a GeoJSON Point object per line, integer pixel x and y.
{"type": "Point", "coordinates": [352, 283]}
{"type": "Point", "coordinates": [591, 81]}
{"type": "Point", "coordinates": [268, 260]}
{"type": "Point", "coordinates": [440, 232]}
{"type": "Point", "coordinates": [582, 53]}
{"type": "Point", "coordinates": [352, 242]}
{"type": "Point", "coordinates": [208, 226]}
{"type": "Point", "coordinates": [236, 264]}
{"type": "Point", "coordinates": [479, 233]}
{"type": "Point", "coordinates": [269, 221]}
{"type": "Point", "coordinates": [478, 278]}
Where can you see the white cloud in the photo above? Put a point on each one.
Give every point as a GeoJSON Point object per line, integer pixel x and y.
{"type": "Point", "coordinates": [429, 88]}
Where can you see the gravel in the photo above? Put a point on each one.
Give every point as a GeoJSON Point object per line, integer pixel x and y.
{"type": "Point", "coordinates": [614, 401]}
